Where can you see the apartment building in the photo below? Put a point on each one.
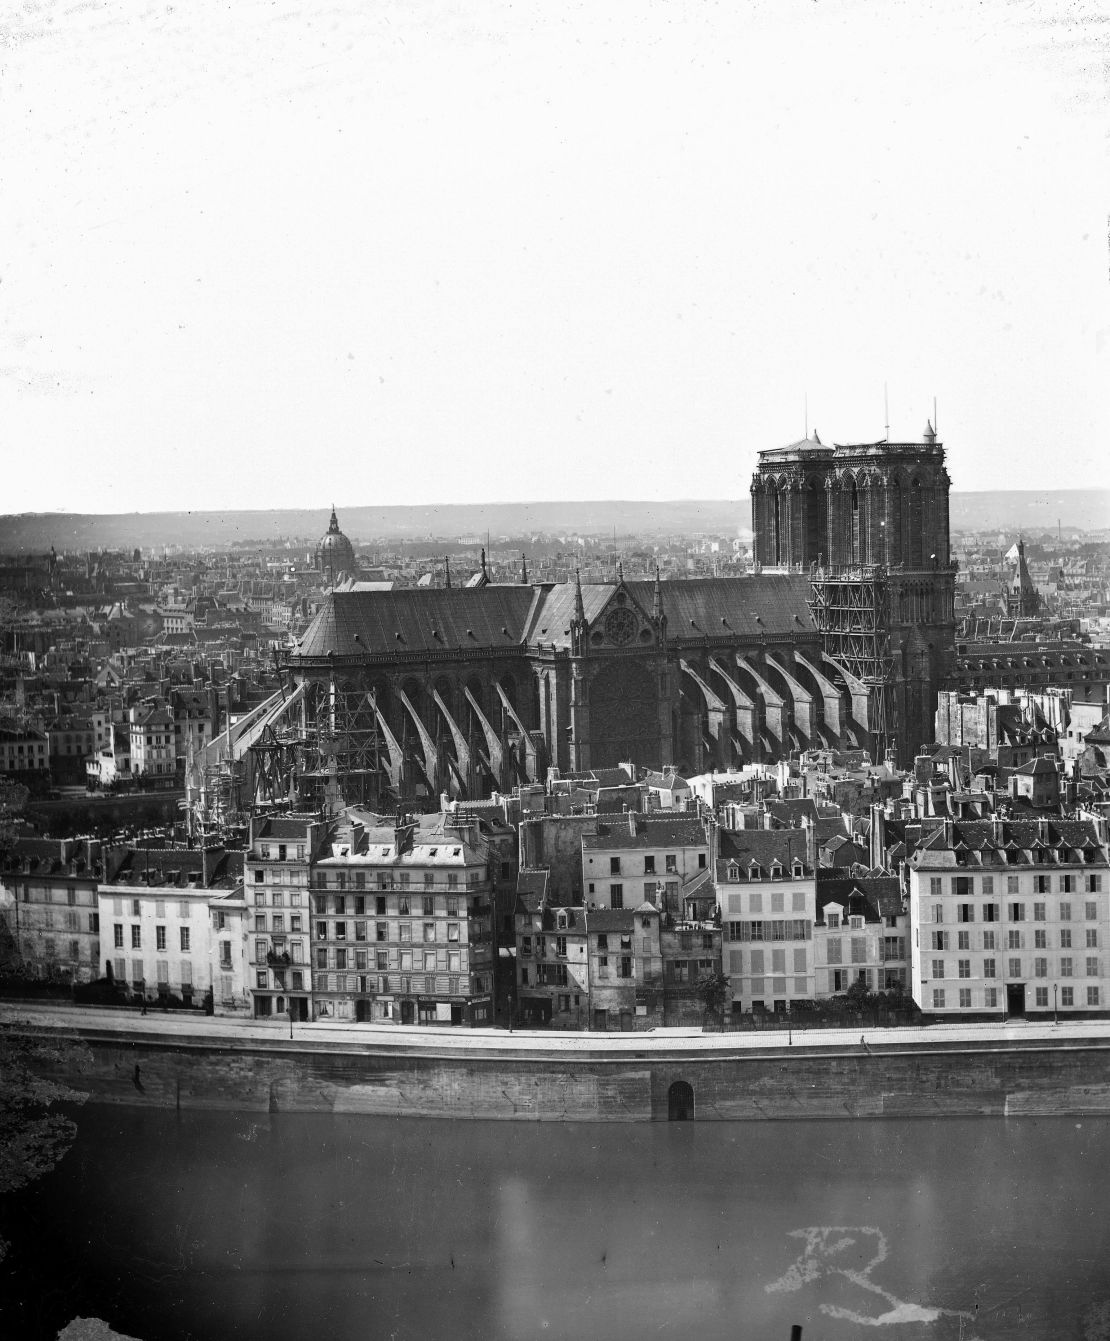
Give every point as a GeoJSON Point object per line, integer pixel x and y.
{"type": "Point", "coordinates": [664, 860]}
{"type": "Point", "coordinates": [1010, 918]}
{"type": "Point", "coordinates": [277, 881]}
{"type": "Point", "coordinates": [860, 935]}
{"type": "Point", "coordinates": [402, 923]}
{"type": "Point", "coordinates": [767, 891]}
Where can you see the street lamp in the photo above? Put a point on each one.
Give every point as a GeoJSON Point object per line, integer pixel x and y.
{"type": "Point", "coordinates": [1055, 1016]}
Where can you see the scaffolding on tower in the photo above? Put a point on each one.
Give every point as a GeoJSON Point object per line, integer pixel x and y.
{"type": "Point", "coordinates": [851, 609]}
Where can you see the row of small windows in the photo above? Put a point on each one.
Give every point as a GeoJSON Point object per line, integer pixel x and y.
{"type": "Point", "coordinates": [1015, 940]}
{"type": "Point", "coordinates": [160, 939]}
{"type": "Point", "coordinates": [942, 998]}
{"type": "Point", "coordinates": [1015, 912]}
{"type": "Point", "coordinates": [1066, 968]}
{"type": "Point", "coordinates": [1067, 883]}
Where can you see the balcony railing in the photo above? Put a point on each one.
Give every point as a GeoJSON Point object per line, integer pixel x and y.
{"type": "Point", "coordinates": [278, 959]}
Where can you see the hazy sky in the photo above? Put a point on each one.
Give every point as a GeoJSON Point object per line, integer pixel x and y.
{"type": "Point", "coordinates": [258, 254]}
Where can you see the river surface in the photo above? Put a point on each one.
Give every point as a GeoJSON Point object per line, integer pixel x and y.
{"type": "Point", "coordinates": [214, 1225]}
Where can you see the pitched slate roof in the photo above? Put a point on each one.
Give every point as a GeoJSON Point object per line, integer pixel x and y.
{"type": "Point", "coordinates": [665, 831]}
{"type": "Point", "coordinates": [435, 619]}
{"type": "Point", "coordinates": [762, 846]}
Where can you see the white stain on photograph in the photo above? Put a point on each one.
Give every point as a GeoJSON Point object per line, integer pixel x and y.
{"type": "Point", "coordinates": [828, 1251]}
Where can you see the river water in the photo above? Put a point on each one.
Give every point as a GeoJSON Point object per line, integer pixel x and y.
{"type": "Point", "coordinates": [213, 1225]}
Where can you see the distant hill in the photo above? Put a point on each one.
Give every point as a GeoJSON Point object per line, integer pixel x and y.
{"type": "Point", "coordinates": [1006, 510]}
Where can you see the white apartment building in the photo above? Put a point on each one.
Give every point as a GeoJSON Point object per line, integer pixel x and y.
{"type": "Point", "coordinates": [767, 890]}
{"type": "Point", "coordinates": [1011, 917]}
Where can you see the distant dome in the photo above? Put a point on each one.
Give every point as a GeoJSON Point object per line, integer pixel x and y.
{"type": "Point", "coordinates": [335, 554]}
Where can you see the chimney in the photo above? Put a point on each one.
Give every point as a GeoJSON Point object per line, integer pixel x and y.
{"type": "Point", "coordinates": [877, 838]}
{"type": "Point", "coordinates": [632, 823]}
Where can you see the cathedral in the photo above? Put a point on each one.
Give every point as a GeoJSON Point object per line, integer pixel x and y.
{"type": "Point", "coordinates": [840, 637]}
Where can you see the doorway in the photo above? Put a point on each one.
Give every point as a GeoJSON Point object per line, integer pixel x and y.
{"type": "Point", "coordinates": [680, 1102]}
{"type": "Point", "coordinates": [1015, 998]}
{"type": "Point", "coordinates": [408, 1012]}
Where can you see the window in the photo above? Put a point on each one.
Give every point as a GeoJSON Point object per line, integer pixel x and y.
{"type": "Point", "coordinates": [1092, 966]}
{"type": "Point", "coordinates": [938, 968]}
{"type": "Point", "coordinates": [403, 905]}
{"type": "Point", "coordinates": [1014, 969]}
{"type": "Point", "coordinates": [832, 948]}
{"type": "Point", "coordinates": [1065, 966]}
{"type": "Point", "coordinates": [136, 938]}
{"type": "Point", "coordinates": [1094, 885]}
{"type": "Point", "coordinates": [159, 938]}
{"type": "Point", "coordinates": [261, 978]}
{"type": "Point", "coordinates": [341, 959]}
{"type": "Point", "coordinates": [940, 940]}
{"type": "Point", "coordinates": [990, 968]}
{"type": "Point", "coordinates": [452, 905]}
{"type": "Point", "coordinates": [938, 912]}
{"type": "Point", "coordinates": [1067, 884]}
{"type": "Point", "coordinates": [965, 998]}
{"type": "Point", "coordinates": [1041, 884]}
{"type": "Point", "coordinates": [1065, 912]}
{"type": "Point", "coordinates": [340, 931]}
{"type": "Point", "coordinates": [184, 939]}
{"type": "Point", "coordinates": [117, 936]}
{"type": "Point", "coordinates": [833, 921]}
{"type": "Point", "coordinates": [381, 931]}
{"type": "Point", "coordinates": [990, 997]}
{"type": "Point", "coordinates": [1038, 912]}
{"type": "Point", "coordinates": [1017, 912]}
{"type": "Point", "coordinates": [963, 940]}
{"type": "Point", "coordinates": [429, 931]}
{"type": "Point", "coordinates": [1092, 996]}
{"type": "Point", "coordinates": [965, 912]}
{"type": "Point", "coordinates": [988, 940]}
{"type": "Point", "coordinates": [964, 968]}
{"type": "Point", "coordinates": [616, 896]}
{"type": "Point", "coordinates": [1041, 996]}
{"type": "Point", "coordinates": [321, 958]}
{"type": "Point", "coordinates": [260, 922]}
{"type": "Point", "coordinates": [859, 950]}
{"type": "Point", "coordinates": [1092, 938]}
{"type": "Point", "coordinates": [990, 912]}
{"type": "Point", "coordinates": [1067, 996]}
{"type": "Point", "coordinates": [1065, 938]}
{"type": "Point", "coordinates": [1090, 911]}
{"type": "Point", "coordinates": [626, 966]}
{"type": "Point", "coordinates": [649, 865]}
{"type": "Point", "coordinates": [614, 865]}
{"type": "Point", "coordinates": [936, 886]}
{"type": "Point", "coordinates": [1013, 940]}
{"type": "Point", "coordinates": [938, 998]}
{"type": "Point", "coordinates": [1040, 968]}
{"type": "Point", "coordinates": [1013, 884]}
{"type": "Point", "coordinates": [1040, 939]}
{"type": "Point", "coordinates": [429, 905]}
{"type": "Point", "coordinates": [671, 862]}
{"type": "Point", "coordinates": [379, 905]}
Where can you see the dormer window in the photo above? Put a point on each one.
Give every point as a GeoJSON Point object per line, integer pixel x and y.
{"type": "Point", "coordinates": [776, 871]}
{"type": "Point", "coordinates": [755, 872]}
{"type": "Point", "coordinates": [733, 871]}
{"type": "Point", "coordinates": [856, 923]}
{"type": "Point", "coordinates": [798, 870]}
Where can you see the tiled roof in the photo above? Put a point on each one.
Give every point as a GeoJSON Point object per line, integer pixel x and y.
{"type": "Point", "coordinates": [665, 831]}
{"type": "Point", "coordinates": [763, 846]}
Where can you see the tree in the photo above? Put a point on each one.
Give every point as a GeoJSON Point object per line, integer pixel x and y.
{"type": "Point", "coordinates": [712, 990]}
{"type": "Point", "coordinates": [33, 1137]}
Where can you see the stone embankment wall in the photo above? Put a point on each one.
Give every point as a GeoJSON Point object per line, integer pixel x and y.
{"type": "Point", "coordinates": [930, 1079]}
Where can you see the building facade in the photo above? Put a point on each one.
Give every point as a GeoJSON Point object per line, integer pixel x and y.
{"type": "Point", "coordinates": [1010, 917]}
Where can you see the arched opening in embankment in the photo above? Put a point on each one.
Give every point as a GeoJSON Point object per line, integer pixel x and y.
{"type": "Point", "coordinates": [680, 1102]}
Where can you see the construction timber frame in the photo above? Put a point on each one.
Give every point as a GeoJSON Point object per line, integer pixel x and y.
{"type": "Point", "coordinates": [852, 610]}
